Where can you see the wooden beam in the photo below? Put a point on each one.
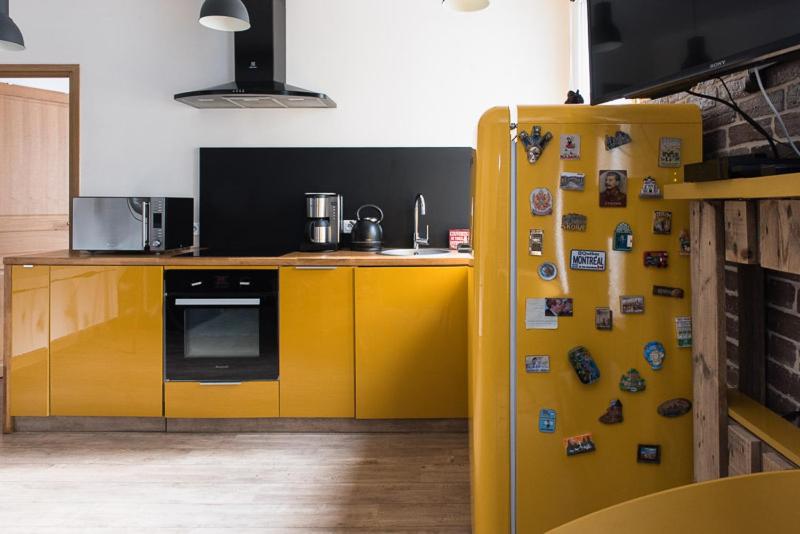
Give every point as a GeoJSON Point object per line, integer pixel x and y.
{"type": "Point", "coordinates": [772, 461]}
{"type": "Point", "coordinates": [752, 332]}
{"type": "Point", "coordinates": [8, 422]}
{"type": "Point", "coordinates": [741, 231]}
{"type": "Point", "coordinates": [709, 358]}
{"type": "Point", "coordinates": [779, 235]}
{"type": "Point", "coordinates": [744, 451]}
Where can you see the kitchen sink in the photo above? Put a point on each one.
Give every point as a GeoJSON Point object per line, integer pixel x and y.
{"type": "Point", "coordinates": [412, 252]}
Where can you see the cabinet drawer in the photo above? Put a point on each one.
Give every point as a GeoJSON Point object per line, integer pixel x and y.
{"type": "Point", "coordinates": [221, 401]}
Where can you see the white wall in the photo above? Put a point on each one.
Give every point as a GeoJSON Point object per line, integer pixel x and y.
{"type": "Point", "coordinates": [403, 72]}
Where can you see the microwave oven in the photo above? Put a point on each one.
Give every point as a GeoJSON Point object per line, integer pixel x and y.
{"type": "Point", "coordinates": [131, 224]}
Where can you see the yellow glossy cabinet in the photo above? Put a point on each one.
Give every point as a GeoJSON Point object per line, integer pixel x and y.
{"type": "Point", "coordinates": [316, 342]}
{"type": "Point", "coordinates": [411, 342]}
{"type": "Point", "coordinates": [215, 400]}
{"type": "Point", "coordinates": [28, 393]}
{"type": "Point", "coordinates": [106, 341]}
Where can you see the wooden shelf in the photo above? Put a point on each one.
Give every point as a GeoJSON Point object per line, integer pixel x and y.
{"type": "Point", "coordinates": [771, 428]}
{"type": "Point", "coordinates": [779, 186]}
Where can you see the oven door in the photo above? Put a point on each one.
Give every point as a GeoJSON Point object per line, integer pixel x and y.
{"type": "Point", "coordinates": [221, 338]}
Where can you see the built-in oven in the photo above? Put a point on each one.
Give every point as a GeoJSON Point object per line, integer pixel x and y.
{"type": "Point", "coordinates": [221, 325]}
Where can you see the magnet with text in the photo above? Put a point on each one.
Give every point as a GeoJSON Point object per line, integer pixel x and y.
{"type": "Point", "coordinates": [534, 143]}
{"type": "Point", "coordinates": [535, 242]}
{"type": "Point", "coordinates": [587, 260]}
{"type": "Point", "coordinates": [613, 414]}
{"type": "Point", "coordinates": [570, 146]}
{"type": "Point", "coordinates": [603, 318]}
{"type": "Point", "coordinates": [674, 407]}
{"type": "Point", "coordinates": [573, 222]}
{"type": "Point", "coordinates": [656, 258]}
{"type": "Point", "coordinates": [669, 152]}
{"type": "Point", "coordinates": [541, 201]}
{"type": "Point", "coordinates": [650, 189]}
{"type": "Point", "coordinates": [613, 189]}
{"type": "Point", "coordinates": [584, 365]}
{"type": "Point", "coordinates": [632, 381]}
{"type": "Point", "coordinates": [631, 304]}
{"type": "Point", "coordinates": [558, 307]}
{"type": "Point", "coordinates": [617, 140]}
{"type": "Point", "coordinates": [683, 331]}
{"type": "Point", "coordinates": [654, 354]}
{"type": "Point", "coordinates": [684, 243]}
{"type": "Point", "coordinates": [623, 237]}
{"type": "Point", "coordinates": [537, 364]}
{"type": "Point", "coordinates": [662, 222]}
{"type": "Point", "coordinates": [581, 444]}
{"type": "Point", "coordinates": [648, 454]}
{"type": "Point", "coordinates": [572, 181]}
{"type": "Point", "coordinates": [548, 271]}
{"type": "Point", "coordinates": [547, 420]}
{"type": "Point", "coordinates": [666, 291]}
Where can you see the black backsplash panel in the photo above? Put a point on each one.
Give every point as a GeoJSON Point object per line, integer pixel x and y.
{"type": "Point", "coordinates": [252, 199]}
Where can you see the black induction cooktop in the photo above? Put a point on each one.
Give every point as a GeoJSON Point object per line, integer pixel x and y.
{"type": "Point", "coordinates": [220, 253]}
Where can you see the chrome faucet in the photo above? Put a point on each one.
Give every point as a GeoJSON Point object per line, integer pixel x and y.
{"type": "Point", "coordinates": [419, 209]}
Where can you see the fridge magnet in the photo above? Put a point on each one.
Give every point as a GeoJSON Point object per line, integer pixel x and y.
{"type": "Point", "coordinates": [575, 445]}
{"type": "Point", "coordinates": [665, 291]}
{"type": "Point", "coordinates": [535, 242]}
{"type": "Point", "coordinates": [534, 143]}
{"type": "Point", "coordinates": [669, 153]}
{"type": "Point", "coordinates": [631, 304]}
{"type": "Point", "coordinates": [650, 189]}
{"type": "Point", "coordinates": [570, 146]}
{"type": "Point", "coordinates": [537, 364]}
{"type": "Point", "coordinates": [619, 139]}
{"type": "Point", "coordinates": [613, 414]}
{"type": "Point", "coordinates": [674, 407]}
{"type": "Point", "coordinates": [662, 222]}
{"type": "Point", "coordinates": [558, 307]}
{"type": "Point", "coordinates": [572, 181]}
{"type": "Point", "coordinates": [603, 318]}
{"type": "Point", "coordinates": [623, 237]}
{"type": "Point", "coordinates": [547, 420]}
{"type": "Point", "coordinates": [541, 201]}
{"type": "Point", "coordinates": [584, 365]}
{"type": "Point", "coordinates": [613, 189]}
{"type": "Point", "coordinates": [587, 260]}
{"type": "Point", "coordinates": [548, 271]}
{"type": "Point", "coordinates": [536, 318]}
{"type": "Point", "coordinates": [573, 222]}
{"type": "Point", "coordinates": [684, 244]}
{"type": "Point", "coordinates": [648, 454]}
{"type": "Point", "coordinates": [656, 258]}
{"type": "Point", "coordinates": [655, 353]}
{"type": "Point", "coordinates": [683, 331]}
{"type": "Point", "coordinates": [632, 382]}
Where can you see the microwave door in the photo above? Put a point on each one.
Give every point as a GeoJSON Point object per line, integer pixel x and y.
{"type": "Point", "coordinates": [109, 224]}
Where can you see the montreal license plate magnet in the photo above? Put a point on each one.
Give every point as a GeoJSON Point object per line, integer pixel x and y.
{"type": "Point", "coordinates": [587, 260]}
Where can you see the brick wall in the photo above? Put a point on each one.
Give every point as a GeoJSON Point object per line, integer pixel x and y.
{"type": "Point", "coordinates": [726, 134]}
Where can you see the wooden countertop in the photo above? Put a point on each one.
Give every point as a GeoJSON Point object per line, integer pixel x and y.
{"type": "Point", "coordinates": [339, 258]}
{"type": "Point", "coordinates": [778, 186]}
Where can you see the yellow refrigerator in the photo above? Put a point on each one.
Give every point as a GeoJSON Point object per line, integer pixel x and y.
{"type": "Point", "coordinates": [580, 358]}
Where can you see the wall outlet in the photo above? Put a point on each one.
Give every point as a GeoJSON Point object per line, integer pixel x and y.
{"type": "Point", "coordinates": [347, 226]}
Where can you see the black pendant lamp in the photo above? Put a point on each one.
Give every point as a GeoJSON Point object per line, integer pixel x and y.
{"type": "Point", "coordinates": [225, 15]}
{"type": "Point", "coordinates": [605, 34]}
{"type": "Point", "coordinates": [10, 36]}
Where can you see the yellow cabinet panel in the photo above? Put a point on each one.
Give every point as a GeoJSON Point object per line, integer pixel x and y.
{"type": "Point", "coordinates": [221, 401]}
{"type": "Point", "coordinates": [316, 342]}
{"type": "Point", "coordinates": [106, 341]}
{"type": "Point", "coordinates": [30, 324]}
{"type": "Point", "coordinates": [411, 342]}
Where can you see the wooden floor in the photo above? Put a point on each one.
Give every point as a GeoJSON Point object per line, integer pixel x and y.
{"type": "Point", "coordinates": [207, 483]}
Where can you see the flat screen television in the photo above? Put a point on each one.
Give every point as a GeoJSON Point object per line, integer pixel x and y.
{"type": "Point", "coordinates": [652, 48]}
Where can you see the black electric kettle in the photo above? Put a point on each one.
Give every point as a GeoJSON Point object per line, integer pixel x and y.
{"type": "Point", "coordinates": [367, 233]}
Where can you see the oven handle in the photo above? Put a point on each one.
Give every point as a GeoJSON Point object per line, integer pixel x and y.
{"type": "Point", "coordinates": [218, 302]}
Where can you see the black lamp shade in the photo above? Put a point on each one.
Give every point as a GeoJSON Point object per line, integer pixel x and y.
{"type": "Point", "coordinates": [10, 36]}
{"type": "Point", "coordinates": [605, 35]}
{"type": "Point", "coordinates": [225, 15]}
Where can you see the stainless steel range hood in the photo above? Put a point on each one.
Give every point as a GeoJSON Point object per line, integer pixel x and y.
{"type": "Point", "coordinates": [260, 56]}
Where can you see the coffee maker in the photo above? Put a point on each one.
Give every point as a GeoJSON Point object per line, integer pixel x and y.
{"type": "Point", "coordinates": [323, 222]}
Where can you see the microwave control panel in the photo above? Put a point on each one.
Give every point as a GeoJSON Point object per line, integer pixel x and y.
{"type": "Point", "coordinates": [157, 216]}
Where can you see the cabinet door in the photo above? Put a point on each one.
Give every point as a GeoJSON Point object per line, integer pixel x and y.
{"type": "Point", "coordinates": [411, 342]}
{"type": "Point", "coordinates": [28, 393]}
{"type": "Point", "coordinates": [316, 342]}
{"type": "Point", "coordinates": [106, 341]}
